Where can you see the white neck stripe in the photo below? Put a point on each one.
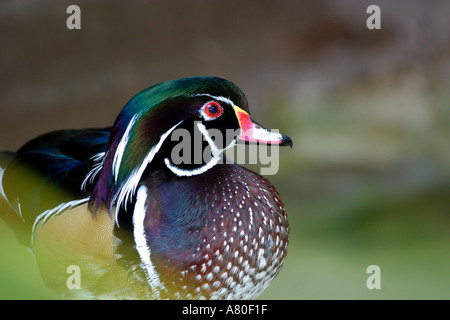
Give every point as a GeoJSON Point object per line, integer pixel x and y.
{"type": "Point", "coordinates": [187, 173]}
{"type": "Point", "coordinates": [141, 242]}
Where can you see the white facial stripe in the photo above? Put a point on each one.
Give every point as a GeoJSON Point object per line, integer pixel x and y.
{"type": "Point", "coordinates": [217, 98]}
{"type": "Point", "coordinates": [201, 127]}
{"type": "Point", "coordinates": [121, 147]}
{"type": "Point", "coordinates": [141, 242]}
{"type": "Point", "coordinates": [132, 182]}
{"type": "Point", "coordinates": [216, 151]}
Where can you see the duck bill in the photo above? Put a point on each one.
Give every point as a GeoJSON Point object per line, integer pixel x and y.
{"type": "Point", "coordinates": [253, 132]}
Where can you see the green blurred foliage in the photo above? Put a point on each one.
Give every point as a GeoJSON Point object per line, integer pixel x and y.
{"type": "Point", "coordinates": [19, 274]}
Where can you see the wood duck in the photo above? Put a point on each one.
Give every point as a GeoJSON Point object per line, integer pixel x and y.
{"type": "Point", "coordinates": [136, 223]}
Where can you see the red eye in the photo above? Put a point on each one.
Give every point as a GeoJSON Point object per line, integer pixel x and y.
{"type": "Point", "coordinates": [212, 110]}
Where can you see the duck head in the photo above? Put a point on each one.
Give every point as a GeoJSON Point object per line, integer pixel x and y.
{"type": "Point", "coordinates": [142, 136]}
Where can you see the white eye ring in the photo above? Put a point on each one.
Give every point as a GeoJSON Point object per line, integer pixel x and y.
{"type": "Point", "coordinates": [211, 110]}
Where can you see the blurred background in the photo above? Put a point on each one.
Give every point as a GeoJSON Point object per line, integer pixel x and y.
{"type": "Point", "coordinates": [367, 181]}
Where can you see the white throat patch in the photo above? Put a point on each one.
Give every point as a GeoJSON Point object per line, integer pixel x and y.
{"type": "Point", "coordinates": [216, 152]}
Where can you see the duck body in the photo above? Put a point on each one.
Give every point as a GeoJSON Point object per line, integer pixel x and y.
{"type": "Point", "coordinates": [135, 225]}
{"type": "Point", "coordinates": [231, 247]}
